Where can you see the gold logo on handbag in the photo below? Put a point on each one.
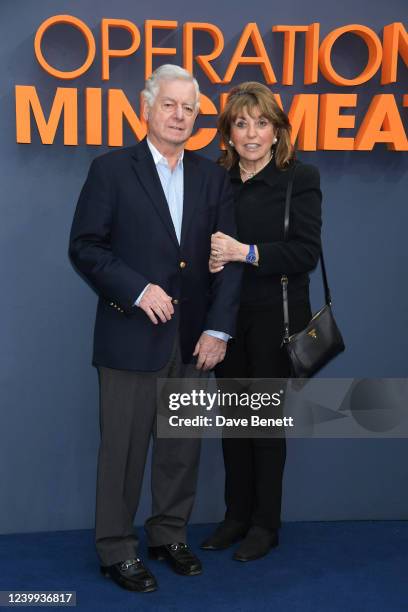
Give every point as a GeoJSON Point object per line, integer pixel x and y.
{"type": "Point", "coordinates": [312, 333]}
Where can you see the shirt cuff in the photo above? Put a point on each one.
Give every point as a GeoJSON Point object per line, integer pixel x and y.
{"type": "Point", "coordinates": [218, 334]}
{"type": "Point", "coordinates": [137, 302]}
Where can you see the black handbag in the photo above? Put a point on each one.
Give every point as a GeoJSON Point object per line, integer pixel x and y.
{"type": "Point", "coordinates": [313, 347]}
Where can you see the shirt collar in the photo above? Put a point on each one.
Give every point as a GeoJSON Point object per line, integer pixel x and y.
{"type": "Point", "coordinates": [158, 157]}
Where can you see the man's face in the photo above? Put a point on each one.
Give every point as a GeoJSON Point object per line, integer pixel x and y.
{"type": "Point", "coordinates": [171, 118]}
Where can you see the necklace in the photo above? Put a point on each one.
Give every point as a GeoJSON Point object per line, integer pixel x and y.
{"type": "Point", "coordinates": [252, 174]}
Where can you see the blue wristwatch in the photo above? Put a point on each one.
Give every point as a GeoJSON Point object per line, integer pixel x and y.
{"type": "Point", "coordinates": [251, 257]}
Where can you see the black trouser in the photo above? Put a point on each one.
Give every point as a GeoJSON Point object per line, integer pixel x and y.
{"type": "Point", "coordinates": [254, 467]}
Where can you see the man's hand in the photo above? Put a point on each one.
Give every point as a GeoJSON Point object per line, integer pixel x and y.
{"type": "Point", "coordinates": [209, 351]}
{"type": "Point", "coordinates": [155, 301]}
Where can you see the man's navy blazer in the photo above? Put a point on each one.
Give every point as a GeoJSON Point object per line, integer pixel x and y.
{"type": "Point", "coordinates": [123, 238]}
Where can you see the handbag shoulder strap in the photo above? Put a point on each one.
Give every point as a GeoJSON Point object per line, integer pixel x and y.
{"type": "Point", "coordinates": [284, 278]}
{"type": "Point", "coordinates": [289, 189]}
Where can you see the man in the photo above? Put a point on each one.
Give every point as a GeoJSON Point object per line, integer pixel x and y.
{"type": "Point", "coordinates": [141, 238]}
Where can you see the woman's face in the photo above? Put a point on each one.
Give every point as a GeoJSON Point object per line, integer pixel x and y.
{"type": "Point", "coordinates": [253, 136]}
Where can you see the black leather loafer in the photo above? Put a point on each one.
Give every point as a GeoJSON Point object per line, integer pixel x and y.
{"type": "Point", "coordinates": [227, 533]}
{"type": "Point", "coordinates": [258, 543]}
{"type": "Point", "coordinates": [178, 556]}
{"type": "Point", "coordinates": [131, 575]}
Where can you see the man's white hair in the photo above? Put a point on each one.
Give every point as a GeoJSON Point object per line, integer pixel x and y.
{"type": "Point", "coordinates": [168, 72]}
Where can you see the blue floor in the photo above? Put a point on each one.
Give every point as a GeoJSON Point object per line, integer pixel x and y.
{"type": "Point", "coordinates": [343, 566]}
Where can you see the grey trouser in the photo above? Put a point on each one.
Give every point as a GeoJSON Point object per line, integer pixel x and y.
{"type": "Point", "coordinates": [127, 422]}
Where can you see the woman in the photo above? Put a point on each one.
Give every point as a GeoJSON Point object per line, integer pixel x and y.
{"type": "Point", "coordinates": [260, 159]}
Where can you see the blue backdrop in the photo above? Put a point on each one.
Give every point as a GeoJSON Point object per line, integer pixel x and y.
{"type": "Point", "coordinates": [49, 395]}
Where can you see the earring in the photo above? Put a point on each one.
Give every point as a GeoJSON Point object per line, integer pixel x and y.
{"type": "Point", "coordinates": [231, 144]}
{"type": "Point", "coordinates": [275, 140]}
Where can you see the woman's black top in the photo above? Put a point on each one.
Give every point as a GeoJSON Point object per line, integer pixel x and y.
{"type": "Point", "coordinates": [260, 212]}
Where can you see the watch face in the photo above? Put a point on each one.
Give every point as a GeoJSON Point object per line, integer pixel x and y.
{"type": "Point", "coordinates": [251, 258]}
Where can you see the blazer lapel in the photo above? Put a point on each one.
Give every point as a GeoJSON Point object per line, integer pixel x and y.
{"type": "Point", "coordinates": [192, 190]}
{"type": "Point", "coordinates": [145, 169]}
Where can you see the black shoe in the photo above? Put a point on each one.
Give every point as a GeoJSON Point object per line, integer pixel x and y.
{"type": "Point", "coordinates": [178, 556]}
{"type": "Point", "coordinates": [257, 543]}
{"type": "Point", "coordinates": [131, 575]}
{"type": "Point", "coordinates": [227, 533]}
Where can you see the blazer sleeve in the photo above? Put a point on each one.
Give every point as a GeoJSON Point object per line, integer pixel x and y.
{"type": "Point", "coordinates": [226, 284]}
{"type": "Point", "coordinates": [301, 252]}
{"type": "Point", "coordinates": [90, 241]}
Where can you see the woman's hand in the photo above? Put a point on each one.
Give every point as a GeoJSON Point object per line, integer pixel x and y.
{"type": "Point", "coordinates": [214, 266]}
{"type": "Point", "coordinates": [224, 249]}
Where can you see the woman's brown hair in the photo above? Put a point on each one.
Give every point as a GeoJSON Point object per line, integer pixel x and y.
{"type": "Point", "coordinates": [251, 95]}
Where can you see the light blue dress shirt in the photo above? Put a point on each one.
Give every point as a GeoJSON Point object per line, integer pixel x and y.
{"type": "Point", "coordinates": [172, 182]}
